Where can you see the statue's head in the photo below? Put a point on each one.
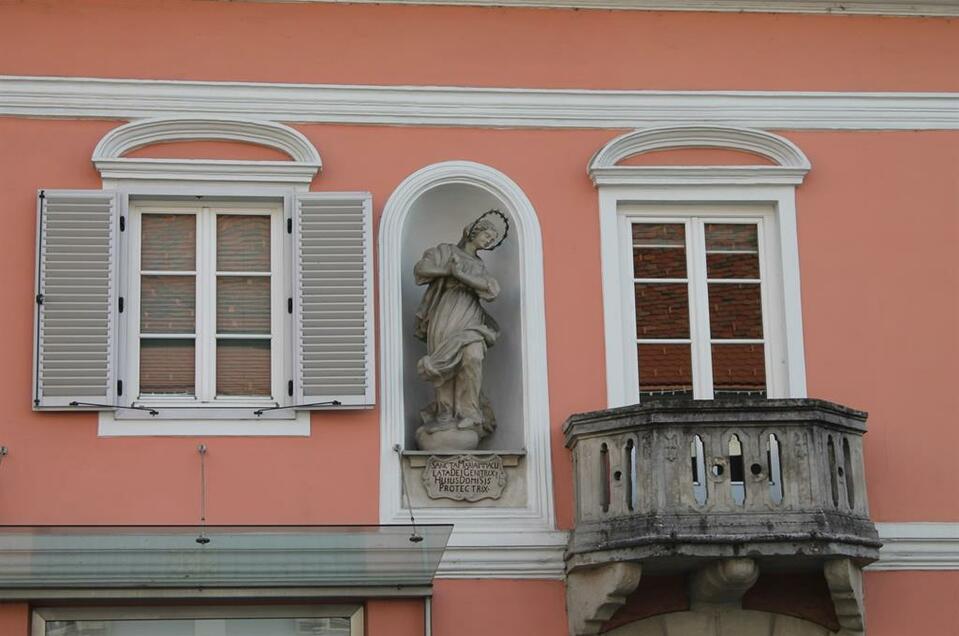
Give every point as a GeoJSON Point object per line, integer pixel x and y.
{"type": "Point", "coordinates": [487, 232]}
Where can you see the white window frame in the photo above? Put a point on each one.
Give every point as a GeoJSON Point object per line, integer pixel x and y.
{"type": "Point", "coordinates": [240, 181]}
{"type": "Point", "coordinates": [281, 322]}
{"type": "Point", "coordinates": [672, 193]}
{"type": "Point", "coordinates": [693, 218]}
{"type": "Point", "coordinates": [42, 615]}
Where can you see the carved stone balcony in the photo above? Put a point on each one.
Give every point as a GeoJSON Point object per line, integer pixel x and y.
{"type": "Point", "coordinates": [678, 487]}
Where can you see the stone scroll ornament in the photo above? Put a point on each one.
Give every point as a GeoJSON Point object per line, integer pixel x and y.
{"type": "Point", "coordinates": [458, 332]}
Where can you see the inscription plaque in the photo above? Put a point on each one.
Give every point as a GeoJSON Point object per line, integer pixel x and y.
{"type": "Point", "coordinates": [464, 477]}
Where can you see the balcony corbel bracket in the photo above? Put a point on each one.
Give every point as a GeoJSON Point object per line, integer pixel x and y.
{"type": "Point", "coordinates": [723, 582]}
{"type": "Point", "coordinates": [594, 594]}
{"type": "Point", "coordinates": [845, 586]}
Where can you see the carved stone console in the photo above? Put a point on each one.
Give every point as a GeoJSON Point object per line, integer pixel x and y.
{"type": "Point", "coordinates": [719, 490]}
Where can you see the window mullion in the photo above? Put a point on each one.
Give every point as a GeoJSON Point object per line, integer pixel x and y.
{"type": "Point", "coordinates": [206, 305]}
{"type": "Point", "coordinates": [699, 311]}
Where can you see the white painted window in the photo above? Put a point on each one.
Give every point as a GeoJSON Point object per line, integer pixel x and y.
{"type": "Point", "coordinates": [206, 318]}
{"type": "Point", "coordinates": [706, 321]}
{"type": "Point", "coordinates": [700, 268]}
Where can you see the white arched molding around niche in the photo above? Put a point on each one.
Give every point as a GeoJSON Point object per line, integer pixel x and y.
{"type": "Point", "coordinates": [629, 191]}
{"type": "Point", "coordinates": [116, 169]}
{"type": "Point", "coordinates": [487, 541]}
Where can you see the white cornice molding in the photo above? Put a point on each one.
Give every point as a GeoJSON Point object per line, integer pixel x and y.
{"type": "Point", "coordinates": [115, 168]}
{"type": "Point", "coordinates": [853, 7]}
{"type": "Point", "coordinates": [791, 165]}
{"type": "Point", "coordinates": [64, 97]}
{"type": "Point", "coordinates": [918, 546]}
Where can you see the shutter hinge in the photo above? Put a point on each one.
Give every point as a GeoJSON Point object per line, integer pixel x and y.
{"type": "Point", "coordinates": [39, 299]}
{"type": "Point", "coordinates": [121, 304]}
{"type": "Point", "coordinates": [289, 305]}
{"type": "Point", "coordinates": [119, 387]}
{"type": "Point", "coordinates": [289, 225]}
{"type": "Point", "coordinates": [123, 223]}
{"type": "Point", "coordinates": [43, 194]}
{"type": "Point", "coordinates": [289, 388]}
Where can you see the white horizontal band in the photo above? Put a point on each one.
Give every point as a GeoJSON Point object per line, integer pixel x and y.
{"type": "Point", "coordinates": [918, 546]}
{"type": "Point", "coordinates": [857, 7]}
{"type": "Point", "coordinates": [906, 546]}
{"type": "Point", "coordinates": [67, 97]}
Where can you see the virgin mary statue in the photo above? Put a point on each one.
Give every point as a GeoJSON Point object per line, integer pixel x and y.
{"type": "Point", "coordinates": [457, 331]}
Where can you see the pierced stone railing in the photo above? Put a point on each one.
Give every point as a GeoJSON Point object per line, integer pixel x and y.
{"type": "Point", "coordinates": [671, 484]}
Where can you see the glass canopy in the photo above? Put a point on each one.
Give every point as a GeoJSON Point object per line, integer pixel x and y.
{"type": "Point", "coordinates": [219, 557]}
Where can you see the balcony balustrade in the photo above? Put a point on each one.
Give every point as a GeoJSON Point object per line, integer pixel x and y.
{"type": "Point", "coordinates": [676, 487]}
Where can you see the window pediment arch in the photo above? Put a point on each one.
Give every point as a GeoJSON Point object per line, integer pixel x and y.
{"type": "Point", "coordinates": [109, 155]}
{"type": "Point", "coordinates": [789, 163]}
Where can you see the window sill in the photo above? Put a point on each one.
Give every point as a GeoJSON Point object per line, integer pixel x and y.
{"type": "Point", "coordinates": [112, 426]}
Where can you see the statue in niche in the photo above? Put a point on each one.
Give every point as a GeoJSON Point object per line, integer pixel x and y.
{"type": "Point", "coordinates": [457, 331]}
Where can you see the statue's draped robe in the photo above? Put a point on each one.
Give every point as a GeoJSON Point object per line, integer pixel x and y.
{"type": "Point", "coordinates": [449, 319]}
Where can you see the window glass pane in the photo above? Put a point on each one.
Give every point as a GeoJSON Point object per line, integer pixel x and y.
{"type": "Point", "coordinates": [242, 243]}
{"type": "Point", "coordinates": [665, 234]}
{"type": "Point", "coordinates": [731, 237]}
{"type": "Point", "coordinates": [167, 366]}
{"type": "Point", "coordinates": [659, 250]}
{"type": "Point", "coordinates": [662, 310]}
{"type": "Point", "coordinates": [167, 304]}
{"type": "Point", "coordinates": [732, 250]}
{"type": "Point", "coordinates": [243, 304]}
{"type": "Point", "coordinates": [665, 370]}
{"type": "Point", "coordinates": [735, 310]}
{"type": "Point", "coordinates": [739, 368]}
{"type": "Point", "coordinates": [191, 627]}
{"type": "Point", "coordinates": [724, 265]}
{"type": "Point", "coordinates": [243, 367]}
{"type": "Point", "coordinates": [168, 242]}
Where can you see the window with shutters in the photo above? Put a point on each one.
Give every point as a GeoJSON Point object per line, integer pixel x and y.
{"type": "Point", "coordinates": [203, 296]}
{"type": "Point", "coordinates": [165, 312]}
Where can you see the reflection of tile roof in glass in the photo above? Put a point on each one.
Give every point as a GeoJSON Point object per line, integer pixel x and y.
{"type": "Point", "coordinates": [731, 237]}
{"type": "Point", "coordinates": [662, 310]}
{"type": "Point", "coordinates": [664, 367]}
{"type": "Point", "coordinates": [739, 366]}
{"type": "Point", "coordinates": [659, 234]}
{"type": "Point", "coordinates": [735, 311]}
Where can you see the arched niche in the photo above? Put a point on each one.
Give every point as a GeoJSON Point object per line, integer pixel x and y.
{"type": "Point", "coordinates": [439, 216]}
{"type": "Point", "coordinates": [429, 207]}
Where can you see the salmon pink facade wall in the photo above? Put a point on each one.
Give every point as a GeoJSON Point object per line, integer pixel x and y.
{"type": "Point", "coordinates": [870, 199]}
{"type": "Point", "coordinates": [475, 46]}
{"type": "Point", "coordinates": [877, 223]}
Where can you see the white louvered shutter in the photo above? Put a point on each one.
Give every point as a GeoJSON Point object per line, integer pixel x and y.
{"type": "Point", "coordinates": [333, 263]}
{"type": "Point", "coordinates": [76, 299]}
